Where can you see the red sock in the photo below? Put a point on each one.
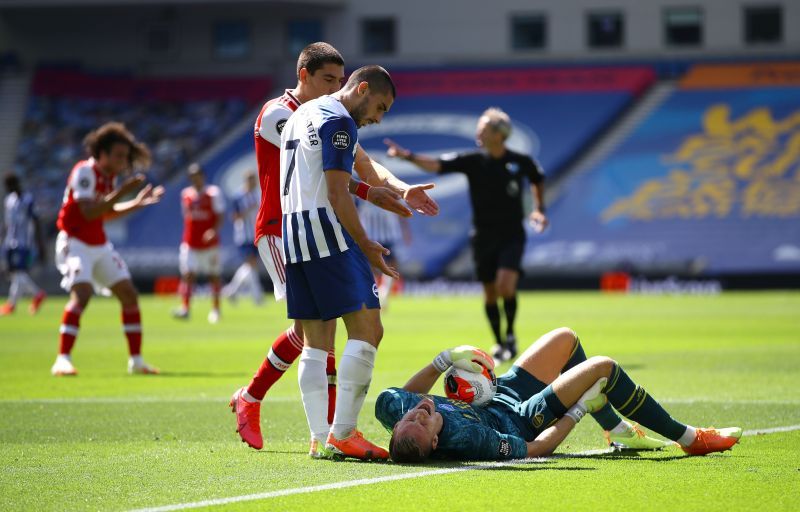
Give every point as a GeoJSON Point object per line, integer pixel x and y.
{"type": "Point", "coordinates": [285, 349]}
{"type": "Point", "coordinates": [132, 325]}
{"type": "Point", "coordinates": [215, 289]}
{"type": "Point", "coordinates": [70, 323]}
{"type": "Point", "coordinates": [185, 291]}
{"type": "Point", "coordinates": [330, 370]}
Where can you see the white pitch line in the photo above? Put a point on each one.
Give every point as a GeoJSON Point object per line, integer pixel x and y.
{"type": "Point", "coordinates": [404, 476]}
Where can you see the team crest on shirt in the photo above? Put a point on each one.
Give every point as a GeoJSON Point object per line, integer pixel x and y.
{"type": "Point", "coordinates": [512, 167]}
{"type": "Point", "coordinates": [84, 182]}
{"type": "Point", "coordinates": [279, 126]}
{"type": "Point", "coordinates": [341, 140]}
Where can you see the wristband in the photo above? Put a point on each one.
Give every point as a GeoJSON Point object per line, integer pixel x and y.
{"type": "Point", "coordinates": [441, 362]}
{"type": "Point", "coordinates": [362, 189]}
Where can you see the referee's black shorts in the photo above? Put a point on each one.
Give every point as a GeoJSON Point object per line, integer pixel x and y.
{"type": "Point", "coordinates": [492, 250]}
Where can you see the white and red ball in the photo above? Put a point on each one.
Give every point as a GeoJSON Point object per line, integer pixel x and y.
{"type": "Point", "coordinates": [471, 387]}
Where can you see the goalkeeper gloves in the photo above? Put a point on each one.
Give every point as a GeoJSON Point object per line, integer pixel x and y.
{"type": "Point", "coordinates": [465, 357]}
{"type": "Point", "coordinates": [591, 401]}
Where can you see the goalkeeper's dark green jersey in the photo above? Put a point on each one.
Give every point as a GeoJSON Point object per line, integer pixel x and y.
{"type": "Point", "coordinates": [468, 433]}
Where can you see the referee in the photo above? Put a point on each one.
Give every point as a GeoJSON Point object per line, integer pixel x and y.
{"type": "Point", "coordinates": [496, 177]}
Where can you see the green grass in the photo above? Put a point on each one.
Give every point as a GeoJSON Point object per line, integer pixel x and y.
{"type": "Point", "coordinates": [109, 441]}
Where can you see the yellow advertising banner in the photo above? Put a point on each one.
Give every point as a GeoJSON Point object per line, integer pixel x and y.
{"type": "Point", "coordinates": [731, 76]}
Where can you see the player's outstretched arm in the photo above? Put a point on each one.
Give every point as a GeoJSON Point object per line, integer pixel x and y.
{"type": "Point", "coordinates": [426, 163]}
{"type": "Point", "coordinates": [147, 196]}
{"type": "Point", "coordinates": [382, 197]}
{"type": "Point", "coordinates": [92, 209]}
{"type": "Point", "coordinates": [374, 173]}
{"type": "Point", "coordinates": [464, 356]}
{"type": "Point", "coordinates": [423, 380]}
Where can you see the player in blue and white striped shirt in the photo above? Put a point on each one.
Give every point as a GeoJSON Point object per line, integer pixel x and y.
{"type": "Point", "coordinates": [245, 209]}
{"type": "Point", "coordinates": [20, 231]}
{"type": "Point", "coordinates": [328, 253]}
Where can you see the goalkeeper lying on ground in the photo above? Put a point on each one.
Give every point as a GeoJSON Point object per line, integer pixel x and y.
{"type": "Point", "coordinates": [547, 391]}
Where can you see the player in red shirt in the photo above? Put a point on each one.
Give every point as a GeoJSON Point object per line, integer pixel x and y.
{"type": "Point", "coordinates": [203, 208]}
{"type": "Point", "coordinates": [320, 71]}
{"type": "Point", "coordinates": [84, 257]}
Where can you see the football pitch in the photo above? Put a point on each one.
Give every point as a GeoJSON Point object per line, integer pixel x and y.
{"type": "Point", "coordinates": [105, 440]}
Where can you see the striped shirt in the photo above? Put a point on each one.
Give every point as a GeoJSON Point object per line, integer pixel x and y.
{"type": "Point", "coordinates": [320, 136]}
{"type": "Point", "coordinates": [19, 216]}
{"type": "Point", "coordinates": [245, 205]}
{"type": "Point", "coordinates": [380, 225]}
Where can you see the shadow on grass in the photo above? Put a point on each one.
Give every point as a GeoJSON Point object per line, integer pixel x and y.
{"type": "Point", "coordinates": [623, 455]}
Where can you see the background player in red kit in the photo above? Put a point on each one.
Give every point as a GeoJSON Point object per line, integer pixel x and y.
{"type": "Point", "coordinates": [203, 208]}
{"type": "Point", "coordinates": [84, 256]}
{"type": "Point", "coordinates": [320, 71]}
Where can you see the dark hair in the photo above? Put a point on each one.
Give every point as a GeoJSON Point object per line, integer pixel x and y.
{"type": "Point", "coordinates": [103, 139]}
{"type": "Point", "coordinates": [406, 449]}
{"type": "Point", "coordinates": [377, 78]}
{"type": "Point", "coordinates": [316, 55]}
{"type": "Point", "coordinates": [11, 182]}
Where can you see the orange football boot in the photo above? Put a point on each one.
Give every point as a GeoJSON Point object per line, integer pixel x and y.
{"type": "Point", "coordinates": [710, 440]}
{"type": "Point", "coordinates": [6, 309]}
{"type": "Point", "coordinates": [356, 446]}
{"type": "Point", "coordinates": [248, 420]}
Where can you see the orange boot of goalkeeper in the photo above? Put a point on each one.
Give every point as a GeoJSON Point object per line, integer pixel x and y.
{"type": "Point", "coordinates": [248, 419]}
{"type": "Point", "coordinates": [355, 446]}
{"type": "Point", "coordinates": [710, 440]}
{"type": "Point", "coordinates": [7, 309]}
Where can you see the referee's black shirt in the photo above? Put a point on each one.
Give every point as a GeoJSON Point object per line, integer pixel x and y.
{"type": "Point", "coordinates": [496, 187]}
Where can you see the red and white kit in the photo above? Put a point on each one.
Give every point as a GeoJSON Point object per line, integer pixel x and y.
{"type": "Point", "coordinates": [83, 254]}
{"type": "Point", "coordinates": [199, 254]}
{"type": "Point", "coordinates": [268, 128]}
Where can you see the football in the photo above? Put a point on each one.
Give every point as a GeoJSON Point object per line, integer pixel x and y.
{"type": "Point", "coordinates": [471, 387]}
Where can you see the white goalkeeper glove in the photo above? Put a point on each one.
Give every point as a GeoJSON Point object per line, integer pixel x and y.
{"type": "Point", "coordinates": [465, 357]}
{"type": "Point", "coordinates": [591, 401]}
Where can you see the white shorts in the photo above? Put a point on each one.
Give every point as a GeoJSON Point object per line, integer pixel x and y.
{"type": "Point", "coordinates": [270, 248]}
{"type": "Point", "coordinates": [99, 265]}
{"type": "Point", "coordinates": [204, 262]}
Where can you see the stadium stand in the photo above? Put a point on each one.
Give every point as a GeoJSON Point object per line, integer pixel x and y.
{"type": "Point", "coordinates": [177, 117]}
{"type": "Point", "coordinates": [713, 172]}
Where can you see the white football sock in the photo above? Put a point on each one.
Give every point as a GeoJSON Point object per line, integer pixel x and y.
{"type": "Point", "coordinates": [27, 284]}
{"type": "Point", "coordinates": [354, 376]}
{"type": "Point", "coordinates": [314, 390]}
{"type": "Point", "coordinates": [255, 286]}
{"type": "Point", "coordinates": [688, 437]}
{"type": "Point", "coordinates": [622, 427]}
{"type": "Point", "coordinates": [249, 398]}
{"type": "Point", "coordinates": [14, 289]}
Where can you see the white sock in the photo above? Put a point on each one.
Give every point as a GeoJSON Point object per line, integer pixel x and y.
{"type": "Point", "coordinates": [688, 437]}
{"type": "Point", "coordinates": [14, 288]}
{"type": "Point", "coordinates": [66, 357]}
{"type": "Point", "coordinates": [27, 284]}
{"type": "Point", "coordinates": [249, 398]}
{"type": "Point", "coordinates": [354, 376]}
{"type": "Point", "coordinates": [622, 427]}
{"type": "Point", "coordinates": [137, 360]}
{"type": "Point", "coordinates": [385, 289]}
{"type": "Point", "coordinates": [314, 390]}
{"type": "Point", "coordinates": [239, 278]}
{"type": "Point", "coordinates": [255, 286]}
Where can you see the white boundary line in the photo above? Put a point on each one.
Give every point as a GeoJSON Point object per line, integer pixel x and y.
{"type": "Point", "coordinates": [404, 476]}
{"type": "Point", "coordinates": [292, 399]}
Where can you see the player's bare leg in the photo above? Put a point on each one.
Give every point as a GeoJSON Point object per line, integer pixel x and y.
{"type": "Point", "coordinates": [364, 333]}
{"type": "Point", "coordinates": [185, 293]}
{"type": "Point", "coordinates": [79, 297]}
{"type": "Point", "coordinates": [128, 298]}
{"type": "Point", "coordinates": [548, 355]}
{"type": "Point", "coordinates": [216, 288]}
{"type": "Point", "coordinates": [506, 286]}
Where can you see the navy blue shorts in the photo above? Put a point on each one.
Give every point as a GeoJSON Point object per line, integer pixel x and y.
{"type": "Point", "coordinates": [327, 288]}
{"type": "Point", "coordinates": [18, 259]}
{"type": "Point", "coordinates": [248, 251]}
{"type": "Point", "coordinates": [529, 400]}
